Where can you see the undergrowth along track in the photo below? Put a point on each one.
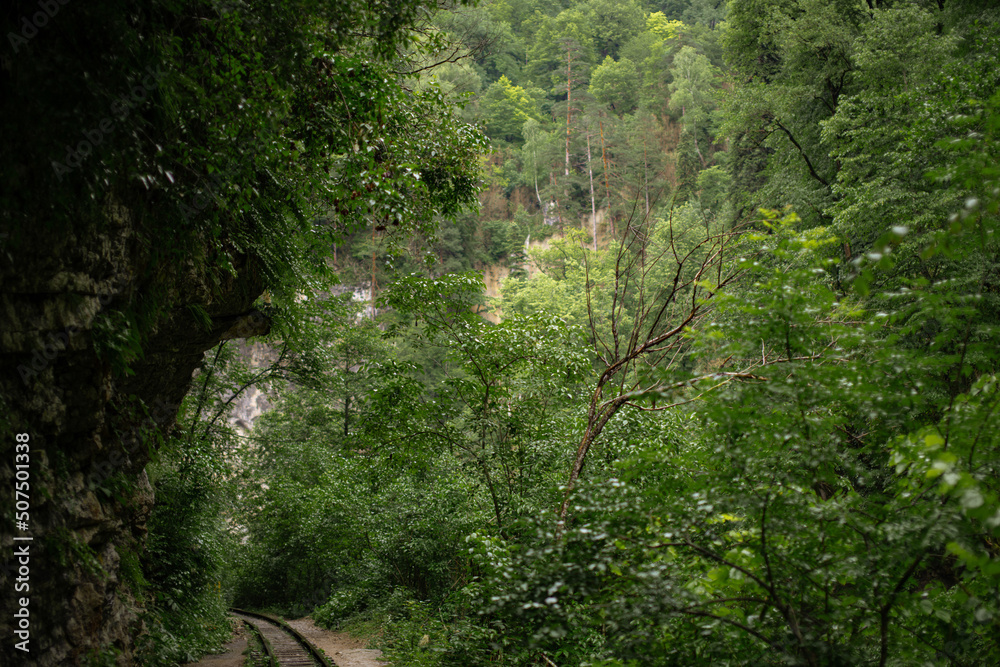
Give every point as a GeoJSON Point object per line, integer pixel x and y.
{"type": "Point", "coordinates": [284, 645]}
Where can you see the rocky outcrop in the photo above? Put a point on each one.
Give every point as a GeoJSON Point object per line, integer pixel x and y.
{"type": "Point", "coordinates": [63, 328]}
{"type": "Point", "coordinates": [254, 401]}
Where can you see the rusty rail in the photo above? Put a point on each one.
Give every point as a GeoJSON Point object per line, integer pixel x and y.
{"type": "Point", "coordinates": [285, 646]}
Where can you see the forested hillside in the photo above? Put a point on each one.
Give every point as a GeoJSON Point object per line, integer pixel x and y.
{"type": "Point", "coordinates": [703, 432]}
{"type": "Point", "coordinates": [733, 402]}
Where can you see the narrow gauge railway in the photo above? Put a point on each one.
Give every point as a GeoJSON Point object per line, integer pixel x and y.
{"type": "Point", "coordinates": [284, 646]}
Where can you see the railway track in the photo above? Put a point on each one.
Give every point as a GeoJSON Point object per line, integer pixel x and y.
{"type": "Point", "coordinates": [284, 646]}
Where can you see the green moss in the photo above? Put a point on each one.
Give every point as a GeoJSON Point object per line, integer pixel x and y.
{"type": "Point", "coordinates": [68, 551]}
{"type": "Point", "coordinates": [130, 570]}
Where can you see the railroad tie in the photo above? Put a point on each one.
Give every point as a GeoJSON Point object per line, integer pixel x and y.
{"type": "Point", "coordinates": [287, 647]}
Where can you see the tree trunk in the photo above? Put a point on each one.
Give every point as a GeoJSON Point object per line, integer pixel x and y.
{"type": "Point", "coordinates": [645, 175]}
{"type": "Point", "coordinates": [607, 187]}
{"type": "Point", "coordinates": [597, 419]}
{"type": "Point", "coordinates": [534, 160]}
{"type": "Point", "coordinates": [569, 99]}
{"type": "Point", "coordinates": [347, 414]}
{"type": "Point", "coordinates": [371, 287]}
{"type": "Point", "coordinates": [593, 207]}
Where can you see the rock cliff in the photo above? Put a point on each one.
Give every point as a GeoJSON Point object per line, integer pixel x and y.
{"type": "Point", "coordinates": [90, 426]}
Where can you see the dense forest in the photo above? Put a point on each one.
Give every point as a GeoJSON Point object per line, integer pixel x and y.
{"type": "Point", "coordinates": [593, 332]}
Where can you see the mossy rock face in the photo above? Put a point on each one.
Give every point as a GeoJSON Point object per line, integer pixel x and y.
{"type": "Point", "coordinates": [90, 496]}
{"type": "Point", "coordinates": [97, 349]}
{"type": "Point", "coordinates": [90, 424]}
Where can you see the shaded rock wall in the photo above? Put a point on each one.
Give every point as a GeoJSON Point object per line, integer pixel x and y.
{"type": "Point", "coordinates": [90, 436]}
